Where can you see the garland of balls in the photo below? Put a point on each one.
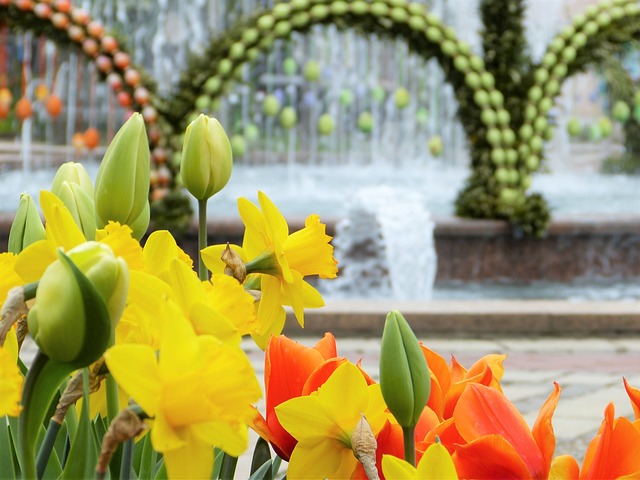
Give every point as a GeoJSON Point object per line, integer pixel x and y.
{"type": "Point", "coordinates": [70, 26]}
{"type": "Point", "coordinates": [504, 154]}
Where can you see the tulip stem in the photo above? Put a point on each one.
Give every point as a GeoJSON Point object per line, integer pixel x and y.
{"type": "Point", "coordinates": [408, 434]}
{"type": "Point", "coordinates": [113, 401]}
{"type": "Point", "coordinates": [202, 237]}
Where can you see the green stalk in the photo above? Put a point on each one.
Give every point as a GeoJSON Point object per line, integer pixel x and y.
{"type": "Point", "coordinates": [228, 469]}
{"type": "Point", "coordinates": [408, 435]}
{"type": "Point", "coordinates": [47, 447]}
{"type": "Point", "coordinates": [202, 237]}
{"type": "Point", "coordinates": [113, 402]}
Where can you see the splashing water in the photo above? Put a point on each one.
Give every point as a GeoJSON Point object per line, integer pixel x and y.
{"type": "Point", "coordinates": [386, 246]}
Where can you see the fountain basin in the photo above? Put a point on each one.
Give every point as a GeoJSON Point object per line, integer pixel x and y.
{"type": "Point", "coordinates": [473, 318]}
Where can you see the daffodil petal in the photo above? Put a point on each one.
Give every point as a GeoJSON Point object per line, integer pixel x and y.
{"type": "Point", "coordinates": [317, 460]}
{"type": "Point", "coordinates": [212, 257]}
{"type": "Point", "coordinates": [273, 218]}
{"type": "Point", "coordinates": [256, 239]}
{"type": "Point", "coordinates": [397, 469]}
{"type": "Point", "coordinates": [119, 238]}
{"type": "Point", "coordinates": [10, 385]}
{"type": "Point", "coordinates": [193, 460]}
{"type": "Point", "coordinates": [160, 249]}
{"type": "Point", "coordinates": [60, 227]}
{"type": "Point", "coordinates": [8, 276]}
{"type": "Point", "coordinates": [436, 464]}
{"type": "Point", "coordinates": [142, 382]}
{"type": "Point", "coordinates": [312, 238]}
{"type": "Point", "coordinates": [233, 302]}
{"type": "Point", "coordinates": [233, 440]}
{"type": "Point", "coordinates": [31, 263]}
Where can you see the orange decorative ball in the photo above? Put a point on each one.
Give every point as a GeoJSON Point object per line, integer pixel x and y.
{"type": "Point", "coordinates": [41, 92]}
{"type": "Point", "coordinates": [53, 105]}
{"type": "Point", "coordinates": [4, 110]}
{"type": "Point", "coordinates": [23, 108]}
{"type": "Point", "coordinates": [6, 96]}
{"type": "Point", "coordinates": [91, 138]}
{"type": "Point", "coordinates": [78, 140]}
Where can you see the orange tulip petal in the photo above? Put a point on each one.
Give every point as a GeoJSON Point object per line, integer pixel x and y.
{"type": "Point", "coordinates": [634, 396]}
{"type": "Point", "coordinates": [320, 375]}
{"type": "Point", "coordinates": [617, 449]}
{"type": "Point", "coordinates": [489, 457]}
{"type": "Point", "coordinates": [453, 395]}
{"type": "Point", "coordinates": [543, 429]}
{"type": "Point", "coordinates": [327, 346]}
{"type": "Point", "coordinates": [482, 410]}
{"type": "Point", "coordinates": [446, 432]}
{"type": "Point", "coordinates": [458, 372]}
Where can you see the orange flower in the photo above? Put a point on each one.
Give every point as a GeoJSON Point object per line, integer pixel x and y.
{"type": "Point", "coordinates": [292, 370]}
{"type": "Point", "coordinates": [449, 381]}
{"type": "Point", "coordinates": [499, 443]}
{"type": "Point", "coordinates": [613, 452]}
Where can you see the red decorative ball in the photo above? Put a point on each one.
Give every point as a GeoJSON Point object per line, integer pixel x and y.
{"type": "Point", "coordinates": [104, 63]}
{"type": "Point", "coordinates": [149, 114]}
{"type": "Point", "coordinates": [124, 99]}
{"type": "Point", "coordinates": [42, 10]}
{"type": "Point", "coordinates": [114, 80]}
{"type": "Point", "coordinates": [24, 5]}
{"type": "Point", "coordinates": [60, 20]}
{"type": "Point", "coordinates": [121, 60]}
{"type": "Point", "coordinates": [75, 33]}
{"type": "Point", "coordinates": [141, 95]}
{"type": "Point", "coordinates": [23, 108]}
{"type": "Point", "coordinates": [109, 43]}
{"type": "Point", "coordinates": [91, 47]}
{"type": "Point", "coordinates": [62, 5]}
{"type": "Point", "coordinates": [53, 105]}
{"type": "Point", "coordinates": [80, 16]}
{"type": "Point", "coordinates": [95, 29]}
{"type": "Point", "coordinates": [91, 138]}
{"type": "Point", "coordinates": [132, 77]}
{"type": "Point", "coordinates": [4, 110]}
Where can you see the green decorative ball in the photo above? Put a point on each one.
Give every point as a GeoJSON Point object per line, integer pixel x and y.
{"type": "Point", "coordinates": [271, 105]}
{"type": "Point", "coordinates": [401, 97]}
{"type": "Point", "coordinates": [251, 132]}
{"type": "Point", "coordinates": [346, 97]}
{"type": "Point", "coordinates": [574, 128]}
{"type": "Point", "coordinates": [606, 126]}
{"type": "Point", "coordinates": [488, 117]}
{"type": "Point", "coordinates": [365, 122]}
{"type": "Point", "coordinates": [435, 145]}
{"type": "Point", "coordinates": [238, 146]}
{"type": "Point", "coordinates": [289, 66]}
{"type": "Point", "coordinates": [326, 124]}
{"type": "Point", "coordinates": [378, 94]}
{"type": "Point", "coordinates": [311, 71]}
{"type": "Point", "coordinates": [621, 111]}
{"type": "Point", "coordinates": [422, 116]}
{"type": "Point", "coordinates": [288, 117]}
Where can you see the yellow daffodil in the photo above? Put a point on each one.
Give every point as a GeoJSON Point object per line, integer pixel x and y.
{"type": "Point", "coordinates": [159, 250]}
{"type": "Point", "coordinates": [8, 277]}
{"type": "Point", "coordinates": [10, 377]}
{"type": "Point", "coordinates": [282, 260]}
{"type": "Point", "coordinates": [198, 389]}
{"type": "Point", "coordinates": [435, 464]}
{"type": "Point", "coordinates": [323, 422]}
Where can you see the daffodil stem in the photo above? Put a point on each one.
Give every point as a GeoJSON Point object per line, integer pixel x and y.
{"type": "Point", "coordinates": [202, 237]}
{"type": "Point", "coordinates": [47, 447]}
{"type": "Point", "coordinates": [408, 434]}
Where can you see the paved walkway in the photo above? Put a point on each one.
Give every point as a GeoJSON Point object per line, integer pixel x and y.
{"type": "Point", "coordinates": [589, 370]}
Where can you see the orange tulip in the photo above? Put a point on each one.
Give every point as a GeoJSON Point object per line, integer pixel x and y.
{"type": "Point", "coordinates": [634, 396]}
{"type": "Point", "coordinates": [614, 451]}
{"type": "Point", "coordinates": [499, 444]}
{"type": "Point", "coordinates": [292, 370]}
{"type": "Point", "coordinates": [448, 382]}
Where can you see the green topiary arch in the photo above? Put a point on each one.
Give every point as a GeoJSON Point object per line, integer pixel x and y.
{"type": "Point", "coordinates": [506, 123]}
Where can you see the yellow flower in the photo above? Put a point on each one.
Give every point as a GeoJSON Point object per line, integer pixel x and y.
{"type": "Point", "coordinates": [324, 421]}
{"type": "Point", "coordinates": [198, 389]}
{"type": "Point", "coordinates": [8, 277]}
{"type": "Point", "coordinates": [435, 464]}
{"type": "Point", "coordinates": [282, 260]}
{"type": "Point", "coordinates": [10, 377]}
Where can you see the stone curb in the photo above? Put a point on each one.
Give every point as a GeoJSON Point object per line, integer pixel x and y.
{"type": "Point", "coordinates": [471, 319]}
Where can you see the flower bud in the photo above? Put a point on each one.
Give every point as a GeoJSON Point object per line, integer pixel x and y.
{"type": "Point", "coordinates": [404, 374]}
{"type": "Point", "coordinates": [206, 158]}
{"type": "Point", "coordinates": [79, 301]}
{"type": "Point", "coordinates": [122, 183]}
{"type": "Point", "coordinates": [27, 225]}
{"type": "Point", "coordinates": [72, 172]}
{"type": "Point", "coordinates": [81, 206]}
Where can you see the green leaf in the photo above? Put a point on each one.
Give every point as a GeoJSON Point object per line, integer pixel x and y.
{"type": "Point", "coordinates": [147, 458]}
{"type": "Point", "coordinates": [261, 455]}
{"type": "Point", "coordinates": [97, 322]}
{"type": "Point", "coordinates": [40, 387]}
{"type": "Point", "coordinates": [228, 469]}
{"type": "Point", "coordinates": [6, 451]}
{"type": "Point", "coordinates": [262, 473]}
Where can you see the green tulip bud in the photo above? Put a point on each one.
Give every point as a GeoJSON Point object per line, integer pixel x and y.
{"type": "Point", "coordinates": [81, 206]}
{"type": "Point", "coordinates": [122, 183]}
{"type": "Point", "coordinates": [27, 225]}
{"type": "Point", "coordinates": [79, 301]}
{"type": "Point", "coordinates": [404, 375]}
{"type": "Point", "coordinates": [435, 145]}
{"type": "Point", "coordinates": [206, 158]}
{"type": "Point", "coordinates": [288, 117]}
{"type": "Point", "coordinates": [72, 172]}
{"type": "Point", "coordinates": [326, 124]}
{"type": "Point", "coordinates": [139, 225]}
